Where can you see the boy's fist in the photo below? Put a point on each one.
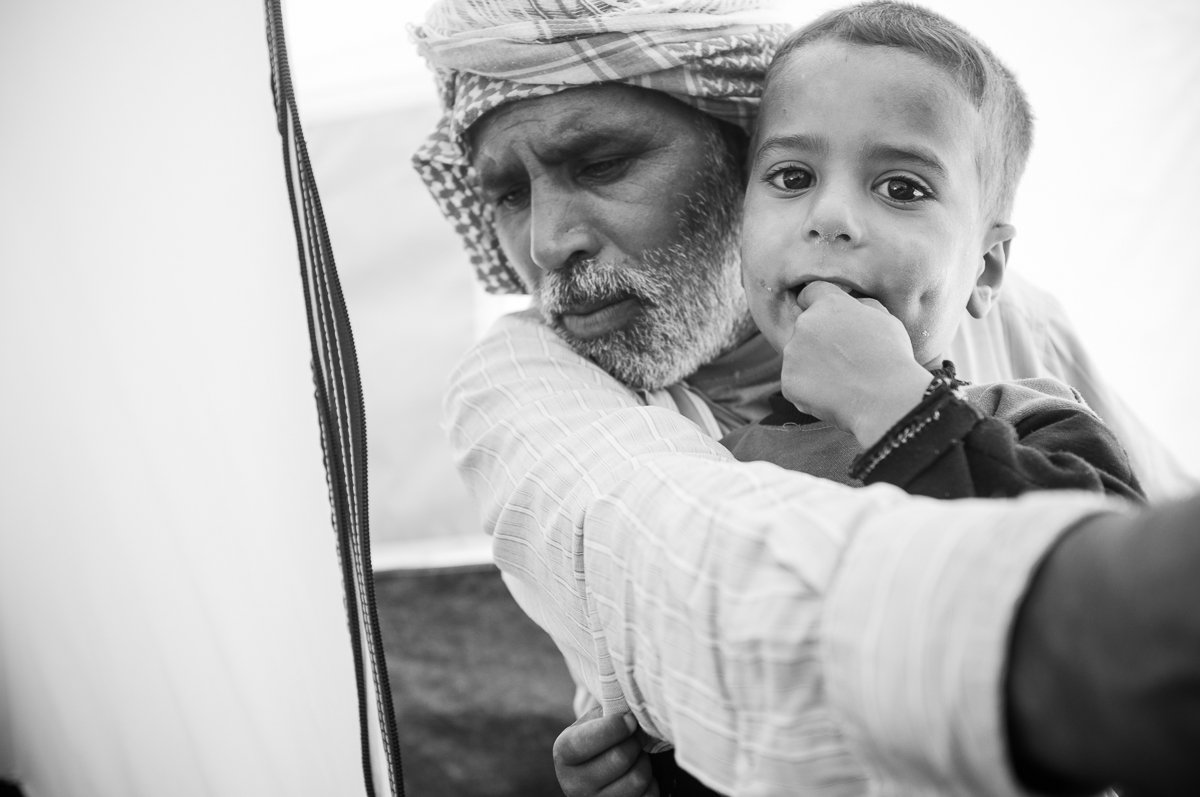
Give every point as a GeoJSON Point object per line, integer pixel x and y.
{"type": "Point", "coordinates": [850, 362]}
{"type": "Point", "coordinates": [601, 757]}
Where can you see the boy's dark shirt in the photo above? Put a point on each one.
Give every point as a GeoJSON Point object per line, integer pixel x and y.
{"type": "Point", "coordinates": [1000, 441]}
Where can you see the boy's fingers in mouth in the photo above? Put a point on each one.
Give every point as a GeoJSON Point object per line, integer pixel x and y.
{"type": "Point", "coordinates": [875, 303]}
{"type": "Point", "coordinates": [809, 291]}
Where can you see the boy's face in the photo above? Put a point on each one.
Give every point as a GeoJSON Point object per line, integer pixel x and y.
{"type": "Point", "coordinates": [863, 174]}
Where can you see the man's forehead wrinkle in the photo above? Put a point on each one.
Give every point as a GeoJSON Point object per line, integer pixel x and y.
{"type": "Point", "coordinates": [577, 140]}
{"type": "Point", "coordinates": [485, 137]}
{"type": "Point", "coordinates": [560, 134]}
{"type": "Point", "coordinates": [556, 147]}
{"type": "Point", "coordinates": [494, 172]}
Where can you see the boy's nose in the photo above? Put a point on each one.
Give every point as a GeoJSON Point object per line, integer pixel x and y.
{"type": "Point", "coordinates": [829, 236]}
{"type": "Point", "coordinates": [832, 219]}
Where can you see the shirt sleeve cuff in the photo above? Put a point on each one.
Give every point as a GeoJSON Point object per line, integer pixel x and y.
{"type": "Point", "coordinates": [915, 634]}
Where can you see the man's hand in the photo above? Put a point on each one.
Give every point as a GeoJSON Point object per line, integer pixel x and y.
{"type": "Point", "coordinates": [601, 757]}
{"type": "Point", "coordinates": [850, 362]}
{"type": "Point", "coordinates": [1103, 682]}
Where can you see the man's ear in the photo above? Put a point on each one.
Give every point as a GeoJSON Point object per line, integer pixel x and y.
{"type": "Point", "coordinates": [991, 272]}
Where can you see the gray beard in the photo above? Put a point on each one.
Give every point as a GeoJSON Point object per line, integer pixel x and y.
{"type": "Point", "coordinates": [693, 307]}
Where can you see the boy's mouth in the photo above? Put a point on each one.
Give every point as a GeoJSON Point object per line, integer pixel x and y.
{"type": "Point", "coordinates": [854, 292]}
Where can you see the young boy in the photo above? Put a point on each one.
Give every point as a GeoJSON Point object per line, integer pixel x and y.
{"type": "Point", "coordinates": [882, 176]}
{"type": "Point", "coordinates": [881, 180]}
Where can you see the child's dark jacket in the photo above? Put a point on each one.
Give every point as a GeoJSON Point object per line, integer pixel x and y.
{"type": "Point", "coordinates": [986, 441]}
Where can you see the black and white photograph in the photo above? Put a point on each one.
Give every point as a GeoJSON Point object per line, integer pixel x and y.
{"type": "Point", "coordinates": [600, 398]}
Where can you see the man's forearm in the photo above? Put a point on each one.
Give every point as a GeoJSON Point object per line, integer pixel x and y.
{"type": "Point", "coordinates": [1104, 678]}
{"type": "Point", "coordinates": [696, 591]}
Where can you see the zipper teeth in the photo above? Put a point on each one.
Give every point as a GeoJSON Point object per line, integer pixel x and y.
{"type": "Point", "coordinates": [342, 422]}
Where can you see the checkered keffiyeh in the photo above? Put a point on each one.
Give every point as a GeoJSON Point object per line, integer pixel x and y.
{"type": "Point", "coordinates": [710, 54]}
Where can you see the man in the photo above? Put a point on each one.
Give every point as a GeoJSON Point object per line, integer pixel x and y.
{"type": "Point", "coordinates": [735, 609]}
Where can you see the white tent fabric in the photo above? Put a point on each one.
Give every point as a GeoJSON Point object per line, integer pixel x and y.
{"type": "Point", "coordinates": [171, 617]}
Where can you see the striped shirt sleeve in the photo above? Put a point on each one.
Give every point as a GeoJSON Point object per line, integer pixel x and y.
{"type": "Point", "coordinates": [788, 635]}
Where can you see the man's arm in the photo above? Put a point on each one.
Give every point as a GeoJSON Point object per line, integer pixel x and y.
{"type": "Point", "coordinates": [1104, 678]}
{"type": "Point", "coordinates": [565, 463]}
{"type": "Point", "coordinates": [780, 630]}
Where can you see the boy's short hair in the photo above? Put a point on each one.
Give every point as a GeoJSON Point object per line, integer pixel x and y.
{"type": "Point", "coordinates": [1007, 133]}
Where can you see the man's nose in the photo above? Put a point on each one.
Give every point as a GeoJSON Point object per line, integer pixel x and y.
{"type": "Point", "coordinates": [832, 218]}
{"type": "Point", "coordinates": [560, 229]}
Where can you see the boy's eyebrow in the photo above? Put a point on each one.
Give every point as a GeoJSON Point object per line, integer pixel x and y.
{"type": "Point", "coordinates": [912, 154]}
{"type": "Point", "coordinates": [792, 142]}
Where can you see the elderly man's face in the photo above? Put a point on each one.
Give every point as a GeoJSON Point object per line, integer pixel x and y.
{"type": "Point", "coordinates": [619, 208]}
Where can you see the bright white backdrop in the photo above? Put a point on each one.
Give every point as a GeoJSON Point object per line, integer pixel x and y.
{"type": "Point", "coordinates": [171, 617]}
{"type": "Point", "coordinates": [1107, 214]}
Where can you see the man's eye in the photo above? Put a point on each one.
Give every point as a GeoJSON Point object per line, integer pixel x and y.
{"type": "Point", "coordinates": [902, 189]}
{"type": "Point", "coordinates": [515, 198]}
{"type": "Point", "coordinates": [791, 179]}
{"type": "Point", "coordinates": [600, 170]}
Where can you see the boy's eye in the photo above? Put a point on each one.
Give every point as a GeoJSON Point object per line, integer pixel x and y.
{"type": "Point", "coordinates": [902, 189]}
{"type": "Point", "coordinates": [791, 179]}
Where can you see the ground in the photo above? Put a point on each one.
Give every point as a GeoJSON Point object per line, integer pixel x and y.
{"type": "Point", "coordinates": [480, 691]}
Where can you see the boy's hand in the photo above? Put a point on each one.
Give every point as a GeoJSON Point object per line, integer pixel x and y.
{"type": "Point", "coordinates": [601, 757]}
{"type": "Point", "coordinates": [850, 362]}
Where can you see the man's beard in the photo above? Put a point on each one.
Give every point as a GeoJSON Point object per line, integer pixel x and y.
{"type": "Point", "coordinates": [693, 307]}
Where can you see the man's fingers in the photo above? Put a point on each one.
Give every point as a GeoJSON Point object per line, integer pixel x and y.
{"type": "Point", "coordinates": [652, 790]}
{"type": "Point", "coordinates": [615, 767]}
{"type": "Point", "coordinates": [638, 781]}
{"type": "Point", "coordinates": [592, 735]}
{"type": "Point", "coordinates": [593, 713]}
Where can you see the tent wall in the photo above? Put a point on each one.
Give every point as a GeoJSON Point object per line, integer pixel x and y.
{"type": "Point", "coordinates": [171, 619]}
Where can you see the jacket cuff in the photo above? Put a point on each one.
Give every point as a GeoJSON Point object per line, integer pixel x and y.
{"type": "Point", "coordinates": [918, 439]}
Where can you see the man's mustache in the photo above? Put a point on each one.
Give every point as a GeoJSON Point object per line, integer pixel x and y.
{"type": "Point", "coordinates": [588, 280]}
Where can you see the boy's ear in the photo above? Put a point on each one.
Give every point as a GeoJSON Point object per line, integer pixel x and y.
{"type": "Point", "coordinates": [991, 271]}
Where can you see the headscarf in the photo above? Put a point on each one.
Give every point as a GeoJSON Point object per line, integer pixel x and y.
{"type": "Point", "coordinates": [710, 54]}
